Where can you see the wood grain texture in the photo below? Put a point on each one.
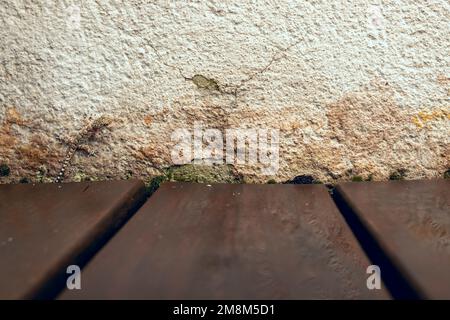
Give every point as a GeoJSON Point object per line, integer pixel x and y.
{"type": "Point", "coordinates": [46, 227]}
{"type": "Point", "coordinates": [410, 222]}
{"type": "Point", "coordinates": [197, 241]}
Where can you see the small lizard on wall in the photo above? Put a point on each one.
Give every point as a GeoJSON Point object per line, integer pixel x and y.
{"type": "Point", "coordinates": [85, 135]}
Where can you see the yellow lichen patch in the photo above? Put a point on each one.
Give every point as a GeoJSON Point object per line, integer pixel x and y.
{"type": "Point", "coordinates": [423, 117]}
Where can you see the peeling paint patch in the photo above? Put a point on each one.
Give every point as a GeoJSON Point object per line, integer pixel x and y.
{"type": "Point", "coordinates": [205, 83]}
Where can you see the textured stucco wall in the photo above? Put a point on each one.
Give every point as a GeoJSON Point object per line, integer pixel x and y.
{"type": "Point", "coordinates": [355, 87]}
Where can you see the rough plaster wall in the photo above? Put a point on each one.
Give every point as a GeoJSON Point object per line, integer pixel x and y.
{"type": "Point", "coordinates": [355, 87]}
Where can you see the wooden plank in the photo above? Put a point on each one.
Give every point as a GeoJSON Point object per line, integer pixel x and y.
{"type": "Point", "coordinates": [46, 227]}
{"type": "Point", "coordinates": [222, 241]}
{"type": "Point", "coordinates": [410, 222]}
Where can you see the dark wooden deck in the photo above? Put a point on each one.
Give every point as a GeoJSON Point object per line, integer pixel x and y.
{"type": "Point", "coordinates": [410, 223]}
{"type": "Point", "coordinates": [193, 241]}
{"type": "Point", "coordinates": [223, 241]}
{"type": "Point", "coordinates": [44, 228]}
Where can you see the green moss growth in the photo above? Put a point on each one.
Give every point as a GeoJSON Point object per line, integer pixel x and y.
{"type": "Point", "coordinates": [128, 175]}
{"type": "Point", "coordinates": [447, 174]}
{"type": "Point", "coordinates": [42, 175]}
{"type": "Point", "coordinates": [271, 181]}
{"type": "Point", "coordinates": [154, 184]}
{"type": "Point", "coordinates": [399, 174]}
{"type": "Point", "coordinates": [81, 177]}
{"type": "Point", "coordinates": [4, 170]}
{"type": "Point", "coordinates": [357, 179]}
{"type": "Point", "coordinates": [197, 174]}
{"type": "Point", "coordinates": [203, 174]}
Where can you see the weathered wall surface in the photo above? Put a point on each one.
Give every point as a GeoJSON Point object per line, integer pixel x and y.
{"type": "Point", "coordinates": [355, 87]}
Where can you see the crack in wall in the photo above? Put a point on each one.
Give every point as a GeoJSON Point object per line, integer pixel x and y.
{"type": "Point", "coordinates": [204, 82]}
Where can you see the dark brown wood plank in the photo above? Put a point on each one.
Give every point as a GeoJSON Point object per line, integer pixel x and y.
{"type": "Point", "coordinates": [197, 241]}
{"type": "Point", "coordinates": [410, 222]}
{"type": "Point", "coordinates": [46, 227]}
